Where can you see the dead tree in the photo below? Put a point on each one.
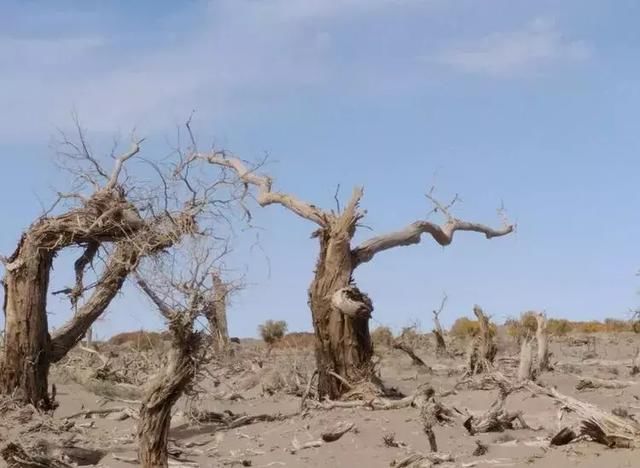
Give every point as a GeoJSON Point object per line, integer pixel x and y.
{"type": "Point", "coordinates": [103, 216]}
{"type": "Point", "coordinates": [181, 304]}
{"type": "Point", "coordinates": [441, 346]}
{"type": "Point", "coordinates": [216, 314]}
{"type": "Point", "coordinates": [340, 311]}
{"type": "Point", "coordinates": [483, 349]}
{"type": "Point", "coordinates": [543, 345]}
{"type": "Point", "coordinates": [525, 371]}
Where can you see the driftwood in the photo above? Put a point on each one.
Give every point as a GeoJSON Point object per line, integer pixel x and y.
{"type": "Point", "coordinates": [565, 436]}
{"type": "Point", "coordinates": [593, 383]}
{"type": "Point", "coordinates": [496, 419]}
{"type": "Point", "coordinates": [228, 420]}
{"type": "Point", "coordinates": [402, 346]}
{"type": "Point", "coordinates": [599, 425]}
{"type": "Point", "coordinates": [419, 460]}
{"type": "Point", "coordinates": [417, 399]}
{"type": "Point", "coordinates": [328, 436]}
{"type": "Point", "coordinates": [337, 431]}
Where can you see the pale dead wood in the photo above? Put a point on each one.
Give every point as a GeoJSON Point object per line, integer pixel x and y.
{"type": "Point", "coordinates": [402, 346]}
{"type": "Point", "coordinates": [595, 383]}
{"type": "Point", "coordinates": [438, 332]}
{"type": "Point", "coordinates": [525, 371]}
{"type": "Point", "coordinates": [328, 436]}
{"type": "Point", "coordinates": [497, 418]}
{"type": "Point", "coordinates": [601, 426]}
{"type": "Point", "coordinates": [100, 412]}
{"type": "Point", "coordinates": [412, 233]}
{"type": "Point", "coordinates": [543, 345]}
{"type": "Point", "coordinates": [635, 364]}
{"type": "Point", "coordinates": [336, 432]}
{"type": "Point", "coordinates": [482, 350]}
{"type": "Point", "coordinates": [416, 460]}
{"type": "Point", "coordinates": [307, 391]}
{"type": "Point", "coordinates": [266, 196]}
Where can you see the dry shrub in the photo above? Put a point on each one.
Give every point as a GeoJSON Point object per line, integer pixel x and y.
{"type": "Point", "coordinates": [559, 327]}
{"type": "Point", "coordinates": [464, 328]}
{"type": "Point", "coordinates": [382, 336]}
{"type": "Point", "coordinates": [617, 326]}
{"type": "Point", "coordinates": [139, 340]}
{"type": "Point", "coordinates": [296, 340]}
{"type": "Point", "coordinates": [272, 331]}
{"type": "Point", "coordinates": [520, 328]}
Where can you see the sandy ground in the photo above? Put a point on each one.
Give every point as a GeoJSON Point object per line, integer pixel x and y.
{"type": "Point", "coordinates": [272, 444]}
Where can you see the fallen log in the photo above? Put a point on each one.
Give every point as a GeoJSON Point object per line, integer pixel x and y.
{"type": "Point", "coordinates": [599, 425]}
{"type": "Point", "coordinates": [594, 383]}
{"type": "Point", "coordinates": [414, 358]}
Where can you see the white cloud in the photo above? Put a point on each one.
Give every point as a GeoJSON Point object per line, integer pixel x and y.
{"type": "Point", "coordinates": [506, 54]}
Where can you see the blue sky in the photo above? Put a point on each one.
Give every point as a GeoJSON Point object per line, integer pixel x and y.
{"type": "Point", "coordinates": [530, 103]}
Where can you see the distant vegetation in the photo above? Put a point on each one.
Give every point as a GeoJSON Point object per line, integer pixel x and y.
{"type": "Point", "coordinates": [272, 331]}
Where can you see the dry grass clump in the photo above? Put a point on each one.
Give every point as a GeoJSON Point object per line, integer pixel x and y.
{"type": "Point", "coordinates": [558, 327]}
{"type": "Point", "coordinates": [464, 328]}
{"type": "Point", "coordinates": [382, 336]}
{"type": "Point", "coordinates": [272, 331]}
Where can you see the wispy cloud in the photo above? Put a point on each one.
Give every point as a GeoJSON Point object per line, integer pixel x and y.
{"type": "Point", "coordinates": [538, 45]}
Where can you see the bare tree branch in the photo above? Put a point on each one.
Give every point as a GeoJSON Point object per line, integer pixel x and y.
{"type": "Point", "coordinates": [264, 184]}
{"type": "Point", "coordinates": [135, 149]}
{"type": "Point", "coordinates": [412, 234]}
{"type": "Point", "coordinates": [164, 309]}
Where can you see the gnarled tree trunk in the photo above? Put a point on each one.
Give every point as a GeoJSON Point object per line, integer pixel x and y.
{"type": "Point", "coordinates": [340, 312]}
{"type": "Point", "coordinates": [25, 364]}
{"type": "Point", "coordinates": [155, 412]}
{"type": "Point", "coordinates": [167, 387]}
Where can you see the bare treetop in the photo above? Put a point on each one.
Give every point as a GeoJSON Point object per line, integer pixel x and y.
{"type": "Point", "coordinates": [442, 233]}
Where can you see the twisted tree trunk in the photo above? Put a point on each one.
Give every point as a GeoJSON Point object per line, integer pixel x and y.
{"type": "Point", "coordinates": [343, 344]}
{"type": "Point", "coordinates": [155, 412]}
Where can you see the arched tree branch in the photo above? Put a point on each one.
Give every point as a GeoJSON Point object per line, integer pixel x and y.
{"type": "Point", "coordinates": [412, 234]}
{"type": "Point", "coordinates": [265, 195]}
